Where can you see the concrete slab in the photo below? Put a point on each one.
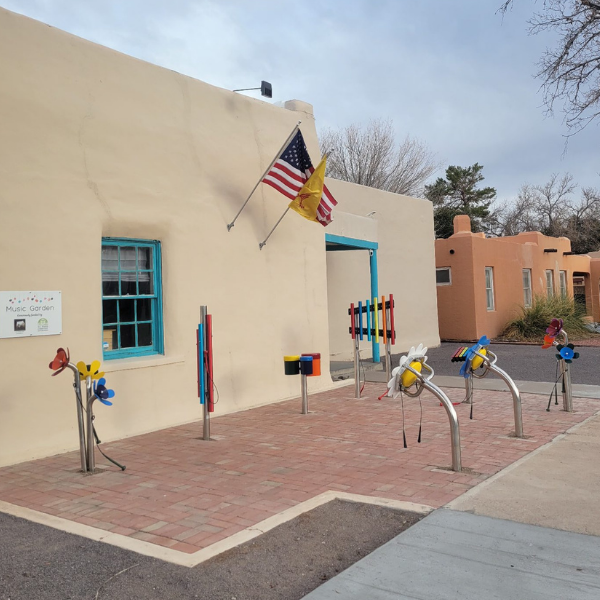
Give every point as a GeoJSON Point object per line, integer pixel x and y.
{"type": "Point", "coordinates": [557, 486]}
{"type": "Point", "coordinates": [459, 556]}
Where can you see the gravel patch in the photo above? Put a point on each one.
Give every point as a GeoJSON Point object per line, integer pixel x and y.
{"type": "Point", "coordinates": [286, 563]}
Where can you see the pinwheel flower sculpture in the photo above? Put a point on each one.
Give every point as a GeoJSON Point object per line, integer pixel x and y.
{"type": "Point", "coordinates": [567, 353]}
{"type": "Point", "coordinates": [473, 361]}
{"type": "Point", "coordinates": [60, 362]}
{"type": "Point", "coordinates": [401, 376]}
{"type": "Point", "coordinates": [102, 392]}
{"type": "Point", "coordinates": [552, 331]}
{"type": "Point", "coordinates": [555, 327]}
{"type": "Point", "coordinates": [548, 341]}
{"type": "Point", "coordinates": [92, 370]}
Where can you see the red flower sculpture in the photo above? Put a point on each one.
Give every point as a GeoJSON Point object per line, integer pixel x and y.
{"type": "Point", "coordinates": [555, 327]}
{"type": "Point", "coordinates": [60, 362]}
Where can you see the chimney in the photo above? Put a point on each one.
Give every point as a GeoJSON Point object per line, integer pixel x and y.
{"type": "Point", "coordinates": [462, 224]}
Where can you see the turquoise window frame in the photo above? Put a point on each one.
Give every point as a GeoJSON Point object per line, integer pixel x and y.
{"type": "Point", "coordinates": [157, 346]}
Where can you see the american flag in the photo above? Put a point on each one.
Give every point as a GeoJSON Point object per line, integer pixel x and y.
{"type": "Point", "coordinates": [290, 172]}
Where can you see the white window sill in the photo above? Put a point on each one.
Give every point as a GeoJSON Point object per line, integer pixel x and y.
{"type": "Point", "coordinates": [141, 362]}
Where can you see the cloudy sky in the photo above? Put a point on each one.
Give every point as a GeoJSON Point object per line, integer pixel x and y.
{"type": "Point", "coordinates": [451, 73]}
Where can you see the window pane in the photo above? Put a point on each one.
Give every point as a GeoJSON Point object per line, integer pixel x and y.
{"type": "Point", "coordinates": [110, 258]}
{"type": "Point", "coordinates": [126, 311]}
{"type": "Point", "coordinates": [145, 334]}
{"type": "Point", "coordinates": [146, 282]}
{"type": "Point", "coordinates": [144, 310]}
{"type": "Point", "coordinates": [109, 311]}
{"type": "Point", "coordinates": [488, 278]}
{"type": "Point", "coordinates": [127, 336]}
{"type": "Point", "coordinates": [110, 287]}
{"type": "Point", "coordinates": [109, 338]}
{"type": "Point", "coordinates": [442, 276]}
{"type": "Point", "coordinates": [128, 258]}
{"type": "Point", "coordinates": [144, 258]}
{"type": "Point", "coordinates": [128, 284]}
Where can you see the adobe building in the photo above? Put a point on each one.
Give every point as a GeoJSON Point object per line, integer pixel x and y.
{"type": "Point", "coordinates": [118, 181]}
{"type": "Point", "coordinates": [482, 283]}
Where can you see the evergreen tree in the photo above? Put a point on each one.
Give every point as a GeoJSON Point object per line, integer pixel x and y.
{"type": "Point", "coordinates": [458, 194]}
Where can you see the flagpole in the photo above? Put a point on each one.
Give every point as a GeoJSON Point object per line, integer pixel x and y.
{"type": "Point", "coordinates": [260, 246]}
{"type": "Point", "coordinates": [287, 141]}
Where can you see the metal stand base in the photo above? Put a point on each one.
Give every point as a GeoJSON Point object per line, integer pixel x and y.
{"type": "Point", "coordinates": [303, 379]}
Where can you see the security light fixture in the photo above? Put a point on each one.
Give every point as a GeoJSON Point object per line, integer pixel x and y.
{"type": "Point", "coordinates": [266, 89]}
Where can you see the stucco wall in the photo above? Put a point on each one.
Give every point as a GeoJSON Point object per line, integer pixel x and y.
{"type": "Point", "coordinates": [95, 143]}
{"type": "Point", "coordinates": [463, 313]}
{"type": "Point", "coordinates": [406, 268]}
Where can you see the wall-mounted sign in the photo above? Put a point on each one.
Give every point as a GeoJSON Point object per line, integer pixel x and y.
{"type": "Point", "coordinates": [23, 314]}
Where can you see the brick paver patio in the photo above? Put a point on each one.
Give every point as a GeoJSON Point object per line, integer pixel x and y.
{"type": "Point", "coordinates": [181, 492]}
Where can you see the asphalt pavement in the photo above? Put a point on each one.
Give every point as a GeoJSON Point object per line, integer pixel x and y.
{"type": "Point", "coordinates": [522, 362]}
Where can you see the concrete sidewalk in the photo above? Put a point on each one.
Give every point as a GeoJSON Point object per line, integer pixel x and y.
{"type": "Point", "coordinates": [556, 486]}
{"type": "Point", "coordinates": [457, 556]}
{"type": "Point", "coordinates": [508, 541]}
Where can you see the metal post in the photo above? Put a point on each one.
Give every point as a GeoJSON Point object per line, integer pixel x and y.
{"type": "Point", "coordinates": [452, 417]}
{"type": "Point", "coordinates": [356, 367]}
{"type": "Point", "coordinates": [205, 412]}
{"type": "Point", "coordinates": [287, 141]}
{"type": "Point", "coordinates": [468, 390]}
{"type": "Point", "coordinates": [304, 394]}
{"type": "Point", "coordinates": [514, 390]}
{"type": "Point", "coordinates": [388, 359]}
{"type": "Point", "coordinates": [567, 391]}
{"type": "Point", "coordinates": [91, 466]}
{"type": "Point", "coordinates": [264, 243]}
{"type": "Point", "coordinates": [80, 423]}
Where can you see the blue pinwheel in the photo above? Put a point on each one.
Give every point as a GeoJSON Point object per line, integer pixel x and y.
{"type": "Point", "coordinates": [567, 353]}
{"type": "Point", "coordinates": [465, 370]}
{"type": "Point", "coordinates": [102, 392]}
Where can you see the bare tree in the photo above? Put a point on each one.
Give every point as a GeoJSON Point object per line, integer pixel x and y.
{"type": "Point", "coordinates": [552, 203]}
{"type": "Point", "coordinates": [519, 216]}
{"type": "Point", "coordinates": [570, 71]}
{"type": "Point", "coordinates": [370, 156]}
{"type": "Point", "coordinates": [551, 209]}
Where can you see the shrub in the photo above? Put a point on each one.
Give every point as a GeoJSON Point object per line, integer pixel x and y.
{"type": "Point", "coordinates": [531, 324]}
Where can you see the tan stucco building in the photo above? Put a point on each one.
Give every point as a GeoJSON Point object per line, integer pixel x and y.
{"type": "Point", "coordinates": [118, 180]}
{"type": "Point", "coordinates": [482, 283]}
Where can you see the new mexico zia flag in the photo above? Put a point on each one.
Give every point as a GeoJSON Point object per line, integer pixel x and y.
{"type": "Point", "coordinates": [309, 197]}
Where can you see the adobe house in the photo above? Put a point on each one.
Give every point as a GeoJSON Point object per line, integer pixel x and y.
{"type": "Point", "coordinates": [118, 181]}
{"type": "Point", "coordinates": [482, 283]}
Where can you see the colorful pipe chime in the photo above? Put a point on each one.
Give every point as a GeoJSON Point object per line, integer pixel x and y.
{"type": "Point", "coordinates": [377, 328]}
{"type": "Point", "coordinates": [96, 389]}
{"type": "Point", "coordinates": [204, 365]}
{"type": "Point", "coordinates": [306, 365]}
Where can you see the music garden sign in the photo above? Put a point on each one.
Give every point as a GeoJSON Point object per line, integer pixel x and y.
{"type": "Point", "coordinates": [24, 314]}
